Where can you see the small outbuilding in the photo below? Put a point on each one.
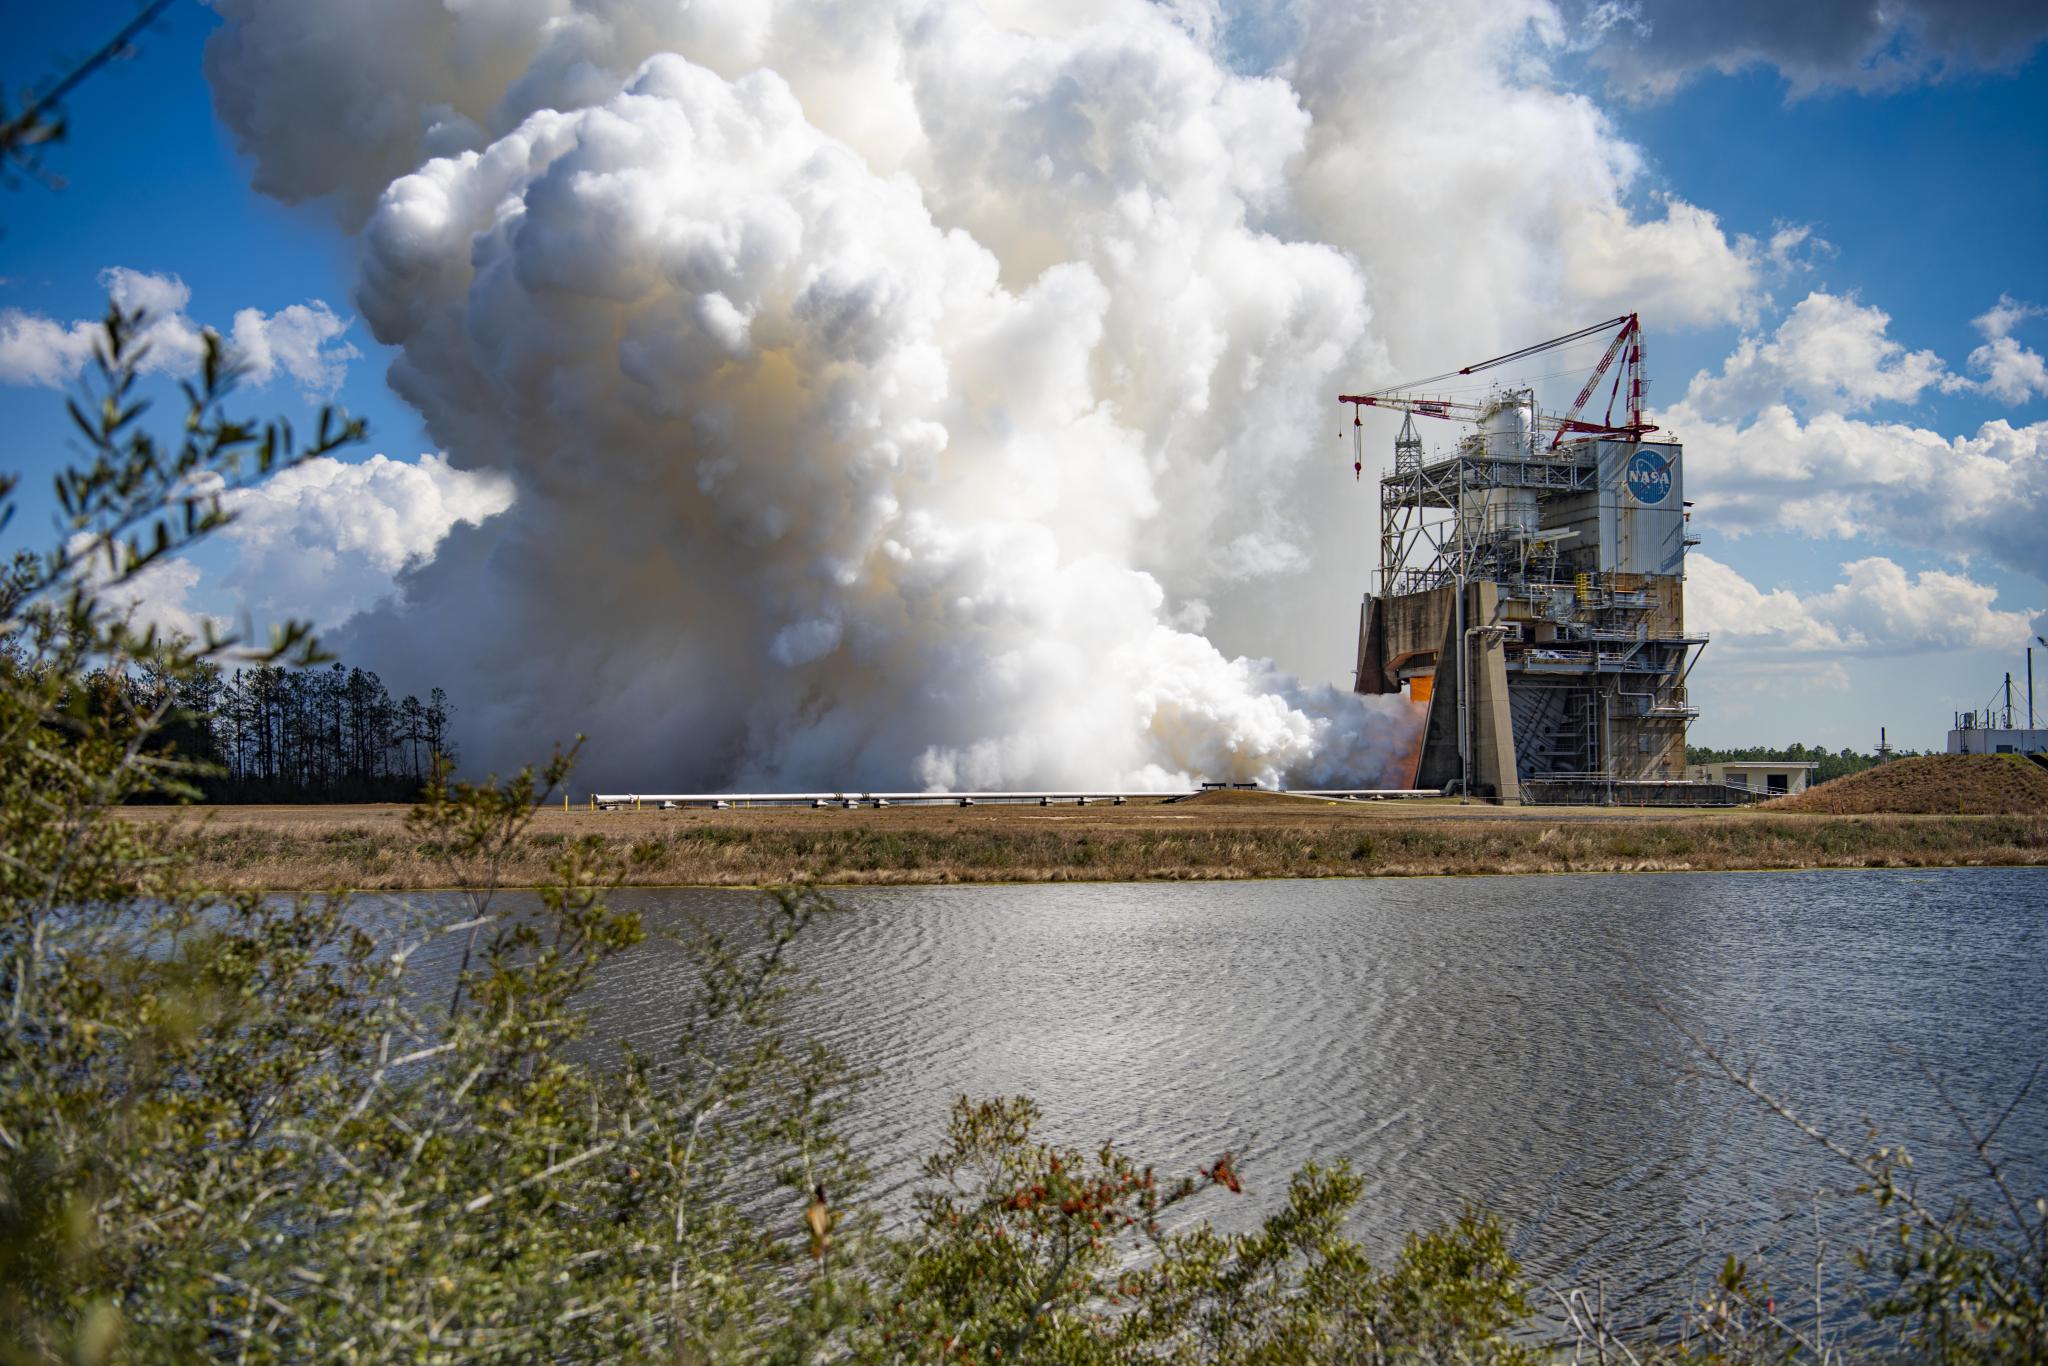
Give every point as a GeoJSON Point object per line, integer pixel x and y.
{"type": "Point", "coordinates": [1773, 777]}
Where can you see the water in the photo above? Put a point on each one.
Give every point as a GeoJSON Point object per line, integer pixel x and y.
{"type": "Point", "coordinates": [1495, 1040]}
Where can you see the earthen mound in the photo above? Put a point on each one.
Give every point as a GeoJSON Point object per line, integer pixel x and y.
{"type": "Point", "coordinates": [1932, 785]}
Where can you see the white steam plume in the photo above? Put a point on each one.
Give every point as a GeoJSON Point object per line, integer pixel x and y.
{"type": "Point", "coordinates": [881, 378]}
{"type": "Point", "coordinates": [807, 494]}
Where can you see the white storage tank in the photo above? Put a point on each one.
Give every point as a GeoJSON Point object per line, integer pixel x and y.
{"type": "Point", "coordinates": [1505, 512]}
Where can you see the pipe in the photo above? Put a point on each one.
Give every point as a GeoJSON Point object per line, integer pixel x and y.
{"type": "Point", "coordinates": [850, 800]}
{"type": "Point", "coordinates": [1464, 700]}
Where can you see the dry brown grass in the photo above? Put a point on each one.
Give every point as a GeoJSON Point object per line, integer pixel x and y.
{"type": "Point", "coordinates": [1933, 784]}
{"type": "Point", "coordinates": [312, 848]}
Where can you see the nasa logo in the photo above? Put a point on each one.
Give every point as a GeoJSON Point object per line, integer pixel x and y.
{"type": "Point", "coordinates": [1648, 477]}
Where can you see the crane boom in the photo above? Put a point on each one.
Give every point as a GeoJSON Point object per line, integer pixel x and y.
{"type": "Point", "coordinates": [1627, 345]}
{"type": "Point", "coordinates": [1554, 343]}
{"type": "Point", "coordinates": [1629, 327]}
{"type": "Point", "coordinates": [1448, 408]}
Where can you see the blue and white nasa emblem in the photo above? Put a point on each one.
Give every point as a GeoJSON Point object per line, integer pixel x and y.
{"type": "Point", "coordinates": [1648, 477]}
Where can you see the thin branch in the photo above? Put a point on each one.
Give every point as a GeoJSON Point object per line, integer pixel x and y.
{"type": "Point", "coordinates": [17, 128]}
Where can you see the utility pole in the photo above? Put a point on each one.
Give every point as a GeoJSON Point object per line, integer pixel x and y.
{"type": "Point", "coordinates": [2030, 683]}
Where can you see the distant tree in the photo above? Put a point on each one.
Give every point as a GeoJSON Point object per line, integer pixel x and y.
{"type": "Point", "coordinates": [285, 735]}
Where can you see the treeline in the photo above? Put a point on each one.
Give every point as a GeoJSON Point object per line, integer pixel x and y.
{"type": "Point", "coordinates": [1831, 763]}
{"type": "Point", "coordinates": [299, 735]}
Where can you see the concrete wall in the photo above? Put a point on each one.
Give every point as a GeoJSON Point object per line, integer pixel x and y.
{"type": "Point", "coordinates": [1412, 628]}
{"type": "Point", "coordinates": [1491, 741]}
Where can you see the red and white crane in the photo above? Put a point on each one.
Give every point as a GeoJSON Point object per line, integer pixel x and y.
{"type": "Point", "coordinates": [1628, 390]}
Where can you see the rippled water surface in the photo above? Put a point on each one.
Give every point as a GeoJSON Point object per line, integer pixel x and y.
{"type": "Point", "coordinates": [1475, 1039]}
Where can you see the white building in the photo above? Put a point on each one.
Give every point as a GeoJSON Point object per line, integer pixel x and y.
{"type": "Point", "coordinates": [1777, 778]}
{"type": "Point", "coordinates": [1975, 739]}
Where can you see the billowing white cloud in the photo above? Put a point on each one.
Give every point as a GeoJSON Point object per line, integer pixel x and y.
{"type": "Point", "coordinates": [35, 349]}
{"type": "Point", "coordinates": [867, 513]}
{"type": "Point", "coordinates": [321, 541]}
{"type": "Point", "coordinates": [1472, 186]}
{"type": "Point", "coordinates": [38, 350]}
{"type": "Point", "coordinates": [1425, 129]}
{"type": "Point", "coordinates": [161, 595]}
{"type": "Point", "coordinates": [1830, 354]}
{"type": "Point", "coordinates": [882, 378]}
{"type": "Point", "coordinates": [303, 340]}
{"type": "Point", "coordinates": [1680, 269]}
{"type": "Point", "coordinates": [328, 538]}
{"type": "Point", "coordinates": [1877, 608]}
{"type": "Point", "coordinates": [1770, 444]}
{"type": "Point", "coordinates": [1836, 476]}
{"type": "Point", "coordinates": [2012, 372]}
{"type": "Point", "coordinates": [1734, 612]}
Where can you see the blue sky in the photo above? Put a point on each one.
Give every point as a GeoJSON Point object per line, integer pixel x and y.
{"type": "Point", "coordinates": [1935, 204]}
{"type": "Point", "coordinates": [1925, 199]}
{"type": "Point", "coordinates": [152, 182]}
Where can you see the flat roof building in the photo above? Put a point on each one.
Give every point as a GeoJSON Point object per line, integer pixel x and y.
{"type": "Point", "coordinates": [1777, 778]}
{"type": "Point", "coordinates": [1987, 739]}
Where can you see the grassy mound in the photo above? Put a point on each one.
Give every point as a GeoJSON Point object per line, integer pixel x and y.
{"type": "Point", "coordinates": [1933, 785]}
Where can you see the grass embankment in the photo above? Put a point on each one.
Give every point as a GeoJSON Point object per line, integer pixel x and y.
{"type": "Point", "coordinates": [1932, 784]}
{"type": "Point", "coordinates": [311, 848]}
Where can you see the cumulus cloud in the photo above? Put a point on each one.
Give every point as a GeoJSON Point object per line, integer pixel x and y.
{"type": "Point", "coordinates": [1680, 269]}
{"type": "Point", "coordinates": [1472, 185]}
{"type": "Point", "coordinates": [888, 385]}
{"type": "Point", "coordinates": [1771, 444]}
{"type": "Point", "coordinates": [2011, 372]}
{"type": "Point", "coordinates": [303, 340]}
{"type": "Point", "coordinates": [1841, 477]}
{"type": "Point", "coordinates": [162, 595]}
{"type": "Point", "coordinates": [35, 349]}
{"type": "Point", "coordinates": [324, 540]}
{"type": "Point", "coordinates": [328, 538]}
{"type": "Point", "coordinates": [1830, 354]}
{"type": "Point", "coordinates": [1651, 47]}
{"type": "Point", "coordinates": [1877, 609]}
